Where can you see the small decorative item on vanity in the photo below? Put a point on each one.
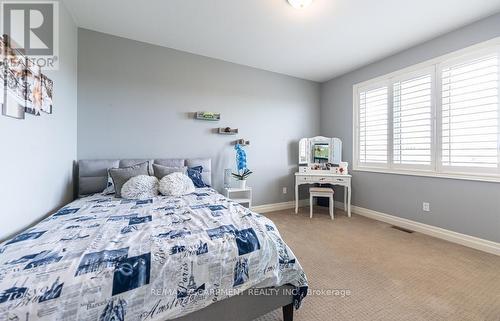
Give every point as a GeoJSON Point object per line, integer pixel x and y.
{"type": "Point", "coordinates": [319, 168]}
{"type": "Point", "coordinates": [241, 163]}
{"type": "Point", "coordinates": [343, 168]}
{"type": "Point", "coordinates": [303, 169]}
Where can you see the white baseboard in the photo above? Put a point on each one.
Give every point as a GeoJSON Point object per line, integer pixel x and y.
{"type": "Point", "coordinates": [441, 233]}
{"type": "Point", "coordinates": [279, 206]}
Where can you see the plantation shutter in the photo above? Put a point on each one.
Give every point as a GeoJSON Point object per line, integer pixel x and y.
{"type": "Point", "coordinates": [373, 126]}
{"type": "Point", "coordinates": [470, 110]}
{"type": "Point", "coordinates": [412, 121]}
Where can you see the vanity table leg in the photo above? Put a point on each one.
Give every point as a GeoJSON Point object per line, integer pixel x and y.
{"type": "Point", "coordinates": [349, 201]}
{"type": "Point", "coordinates": [296, 198]}
{"type": "Point", "coordinates": [345, 198]}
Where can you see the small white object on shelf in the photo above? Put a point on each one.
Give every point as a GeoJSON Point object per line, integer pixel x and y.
{"type": "Point", "coordinates": [241, 196]}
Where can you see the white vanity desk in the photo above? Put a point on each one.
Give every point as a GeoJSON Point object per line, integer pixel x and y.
{"type": "Point", "coordinates": [325, 178]}
{"type": "Point", "coordinates": [317, 152]}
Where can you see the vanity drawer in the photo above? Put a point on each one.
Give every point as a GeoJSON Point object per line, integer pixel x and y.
{"type": "Point", "coordinates": [340, 180]}
{"type": "Point", "coordinates": [305, 179]}
{"type": "Point", "coordinates": [323, 180]}
{"type": "Point", "coordinates": [332, 180]}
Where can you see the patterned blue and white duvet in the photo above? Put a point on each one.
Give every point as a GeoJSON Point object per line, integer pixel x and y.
{"type": "Point", "coordinates": [102, 258]}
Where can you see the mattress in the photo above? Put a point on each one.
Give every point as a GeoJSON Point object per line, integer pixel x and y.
{"type": "Point", "coordinates": [103, 258]}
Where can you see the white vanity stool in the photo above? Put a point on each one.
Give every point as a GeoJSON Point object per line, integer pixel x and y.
{"type": "Point", "coordinates": [321, 192]}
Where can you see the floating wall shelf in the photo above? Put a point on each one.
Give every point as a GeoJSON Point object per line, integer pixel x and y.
{"type": "Point", "coordinates": [228, 131]}
{"type": "Point", "coordinates": [206, 115]}
{"type": "Point", "coordinates": [241, 142]}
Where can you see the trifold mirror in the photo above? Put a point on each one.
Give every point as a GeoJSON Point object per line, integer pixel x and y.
{"type": "Point", "coordinates": [320, 149]}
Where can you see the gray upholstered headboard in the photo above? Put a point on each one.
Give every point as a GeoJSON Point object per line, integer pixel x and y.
{"type": "Point", "coordinates": [93, 173]}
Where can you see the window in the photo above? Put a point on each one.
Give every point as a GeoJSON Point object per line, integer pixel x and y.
{"type": "Point", "coordinates": [439, 118]}
{"type": "Point", "coordinates": [412, 121]}
{"type": "Point", "coordinates": [373, 120]}
{"type": "Point", "coordinates": [470, 113]}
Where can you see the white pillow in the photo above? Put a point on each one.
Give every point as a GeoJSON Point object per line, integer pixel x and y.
{"type": "Point", "coordinates": [176, 184]}
{"type": "Point", "coordinates": [140, 187]}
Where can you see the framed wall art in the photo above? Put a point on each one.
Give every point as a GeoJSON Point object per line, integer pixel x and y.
{"type": "Point", "coordinates": [23, 87]}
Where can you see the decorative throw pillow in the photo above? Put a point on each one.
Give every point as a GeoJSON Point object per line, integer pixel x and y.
{"type": "Point", "coordinates": [140, 187]}
{"type": "Point", "coordinates": [195, 174]}
{"type": "Point", "coordinates": [110, 187]}
{"type": "Point", "coordinates": [161, 171]}
{"type": "Point", "coordinates": [176, 184]}
{"type": "Point", "coordinates": [121, 175]}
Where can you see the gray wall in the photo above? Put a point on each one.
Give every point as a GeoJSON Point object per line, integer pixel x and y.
{"type": "Point", "coordinates": [134, 100]}
{"type": "Point", "coordinates": [468, 207]}
{"type": "Point", "coordinates": [37, 157]}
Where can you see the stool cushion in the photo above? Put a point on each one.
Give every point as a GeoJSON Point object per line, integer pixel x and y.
{"type": "Point", "coordinates": [320, 190]}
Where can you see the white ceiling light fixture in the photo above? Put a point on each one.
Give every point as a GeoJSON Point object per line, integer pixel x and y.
{"type": "Point", "coordinates": [300, 4]}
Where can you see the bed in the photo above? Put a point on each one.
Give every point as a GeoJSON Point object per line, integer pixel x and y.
{"type": "Point", "coordinates": [196, 257]}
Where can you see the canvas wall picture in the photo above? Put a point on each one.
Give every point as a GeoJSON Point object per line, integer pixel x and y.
{"type": "Point", "coordinates": [25, 89]}
{"type": "Point", "coordinates": [47, 92]}
{"type": "Point", "coordinates": [2, 74]}
{"type": "Point", "coordinates": [15, 83]}
{"type": "Point", "coordinates": [33, 90]}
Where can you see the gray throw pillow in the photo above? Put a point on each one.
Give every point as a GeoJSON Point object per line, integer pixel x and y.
{"type": "Point", "coordinates": [121, 175]}
{"type": "Point", "coordinates": [161, 171]}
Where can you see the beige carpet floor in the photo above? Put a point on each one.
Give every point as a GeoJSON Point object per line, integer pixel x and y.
{"type": "Point", "coordinates": [391, 275]}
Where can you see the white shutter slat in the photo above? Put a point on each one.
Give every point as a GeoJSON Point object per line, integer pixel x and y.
{"type": "Point", "coordinates": [470, 107]}
{"type": "Point", "coordinates": [464, 132]}
{"type": "Point", "coordinates": [412, 121]}
{"type": "Point", "coordinates": [469, 82]}
{"type": "Point", "coordinates": [373, 125]}
{"type": "Point", "coordinates": [466, 110]}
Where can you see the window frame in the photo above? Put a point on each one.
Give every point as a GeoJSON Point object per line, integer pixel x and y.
{"type": "Point", "coordinates": [436, 169]}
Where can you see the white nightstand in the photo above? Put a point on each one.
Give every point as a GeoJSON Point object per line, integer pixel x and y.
{"type": "Point", "coordinates": [242, 196]}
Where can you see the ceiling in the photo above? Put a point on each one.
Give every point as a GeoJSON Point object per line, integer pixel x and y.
{"type": "Point", "coordinates": [325, 40]}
